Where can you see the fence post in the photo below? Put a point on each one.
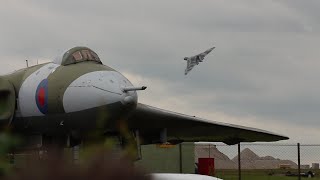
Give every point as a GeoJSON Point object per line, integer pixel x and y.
{"type": "Point", "coordinates": [299, 170]}
{"type": "Point", "coordinates": [180, 157]}
{"type": "Point", "coordinates": [239, 162]}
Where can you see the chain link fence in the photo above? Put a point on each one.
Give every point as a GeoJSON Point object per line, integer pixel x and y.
{"type": "Point", "coordinates": [261, 161]}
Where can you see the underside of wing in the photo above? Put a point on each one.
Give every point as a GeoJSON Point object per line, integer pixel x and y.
{"type": "Point", "coordinates": [153, 122]}
{"type": "Point", "coordinates": [190, 66]}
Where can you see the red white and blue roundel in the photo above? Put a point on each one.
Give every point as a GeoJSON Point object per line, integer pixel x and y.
{"type": "Point", "coordinates": [42, 96]}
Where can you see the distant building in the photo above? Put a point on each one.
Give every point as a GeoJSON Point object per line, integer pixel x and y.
{"type": "Point", "coordinates": [305, 166]}
{"type": "Point", "coordinates": [315, 165]}
{"type": "Point", "coordinates": [284, 166]}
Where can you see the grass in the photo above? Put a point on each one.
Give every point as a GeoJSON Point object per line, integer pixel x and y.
{"type": "Point", "coordinates": [262, 174]}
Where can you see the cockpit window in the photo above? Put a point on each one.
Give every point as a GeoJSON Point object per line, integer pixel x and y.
{"type": "Point", "coordinates": [85, 55]}
{"type": "Point", "coordinates": [77, 55]}
{"type": "Point", "coordinates": [95, 56]}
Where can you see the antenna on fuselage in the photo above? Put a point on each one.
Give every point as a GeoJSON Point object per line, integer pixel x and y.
{"type": "Point", "coordinates": [27, 63]}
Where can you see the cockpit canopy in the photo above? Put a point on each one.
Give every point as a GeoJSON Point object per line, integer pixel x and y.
{"type": "Point", "coordinates": [77, 55]}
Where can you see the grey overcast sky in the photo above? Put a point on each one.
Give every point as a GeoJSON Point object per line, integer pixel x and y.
{"type": "Point", "coordinates": [264, 72]}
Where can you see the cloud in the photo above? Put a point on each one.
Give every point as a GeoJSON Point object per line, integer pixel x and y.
{"type": "Point", "coordinates": [160, 95]}
{"type": "Point", "coordinates": [265, 67]}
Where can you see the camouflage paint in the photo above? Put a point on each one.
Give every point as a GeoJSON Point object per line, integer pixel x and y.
{"type": "Point", "coordinates": [61, 79]}
{"type": "Point", "coordinates": [41, 91]}
{"type": "Point", "coordinates": [29, 92]}
{"type": "Point", "coordinates": [96, 89]}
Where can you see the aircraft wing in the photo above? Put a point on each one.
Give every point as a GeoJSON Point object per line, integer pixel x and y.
{"type": "Point", "coordinates": [195, 60]}
{"type": "Point", "coordinates": [151, 121]}
{"type": "Point", "coordinates": [190, 65]}
{"type": "Point", "coordinates": [202, 55]}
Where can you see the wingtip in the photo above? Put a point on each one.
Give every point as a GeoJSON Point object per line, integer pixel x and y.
{"type": "Point", "coordinates": [285, 138]}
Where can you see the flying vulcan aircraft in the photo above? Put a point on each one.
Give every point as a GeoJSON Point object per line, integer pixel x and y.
{"type": "Point", "coordinates": [195, 60]}
{"type": "Point", "coordinates": [63, 101]}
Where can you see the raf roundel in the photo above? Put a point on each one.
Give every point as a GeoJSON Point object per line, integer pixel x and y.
{"type": "Point", "coordinates": [42, 96]}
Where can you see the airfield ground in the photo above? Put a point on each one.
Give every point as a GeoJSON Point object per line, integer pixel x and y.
{"type": "Point", "coordinates": [160, 160]}
{"type": "Point", "coordinates": [260, 175]}
{"type": "Point", "coordinates": [172, 160]}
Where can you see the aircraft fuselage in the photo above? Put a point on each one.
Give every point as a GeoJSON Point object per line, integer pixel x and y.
{"type": "Point", "coordinates": [53, 99]}
{"type": "Point", "coordinates": [76, 96]}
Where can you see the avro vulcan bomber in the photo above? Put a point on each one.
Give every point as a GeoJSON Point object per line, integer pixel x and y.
{"type": "Point", "coordinates": [74, 95]}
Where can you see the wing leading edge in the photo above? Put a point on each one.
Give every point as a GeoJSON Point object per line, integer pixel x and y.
{"type": "Point", "coordinates": [151, 121]}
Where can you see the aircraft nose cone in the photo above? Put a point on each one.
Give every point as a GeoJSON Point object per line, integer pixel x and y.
{"type": "Point", "coordinates": [96, 89]}
{"type": "Point", "coordinates": [128, 100]}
